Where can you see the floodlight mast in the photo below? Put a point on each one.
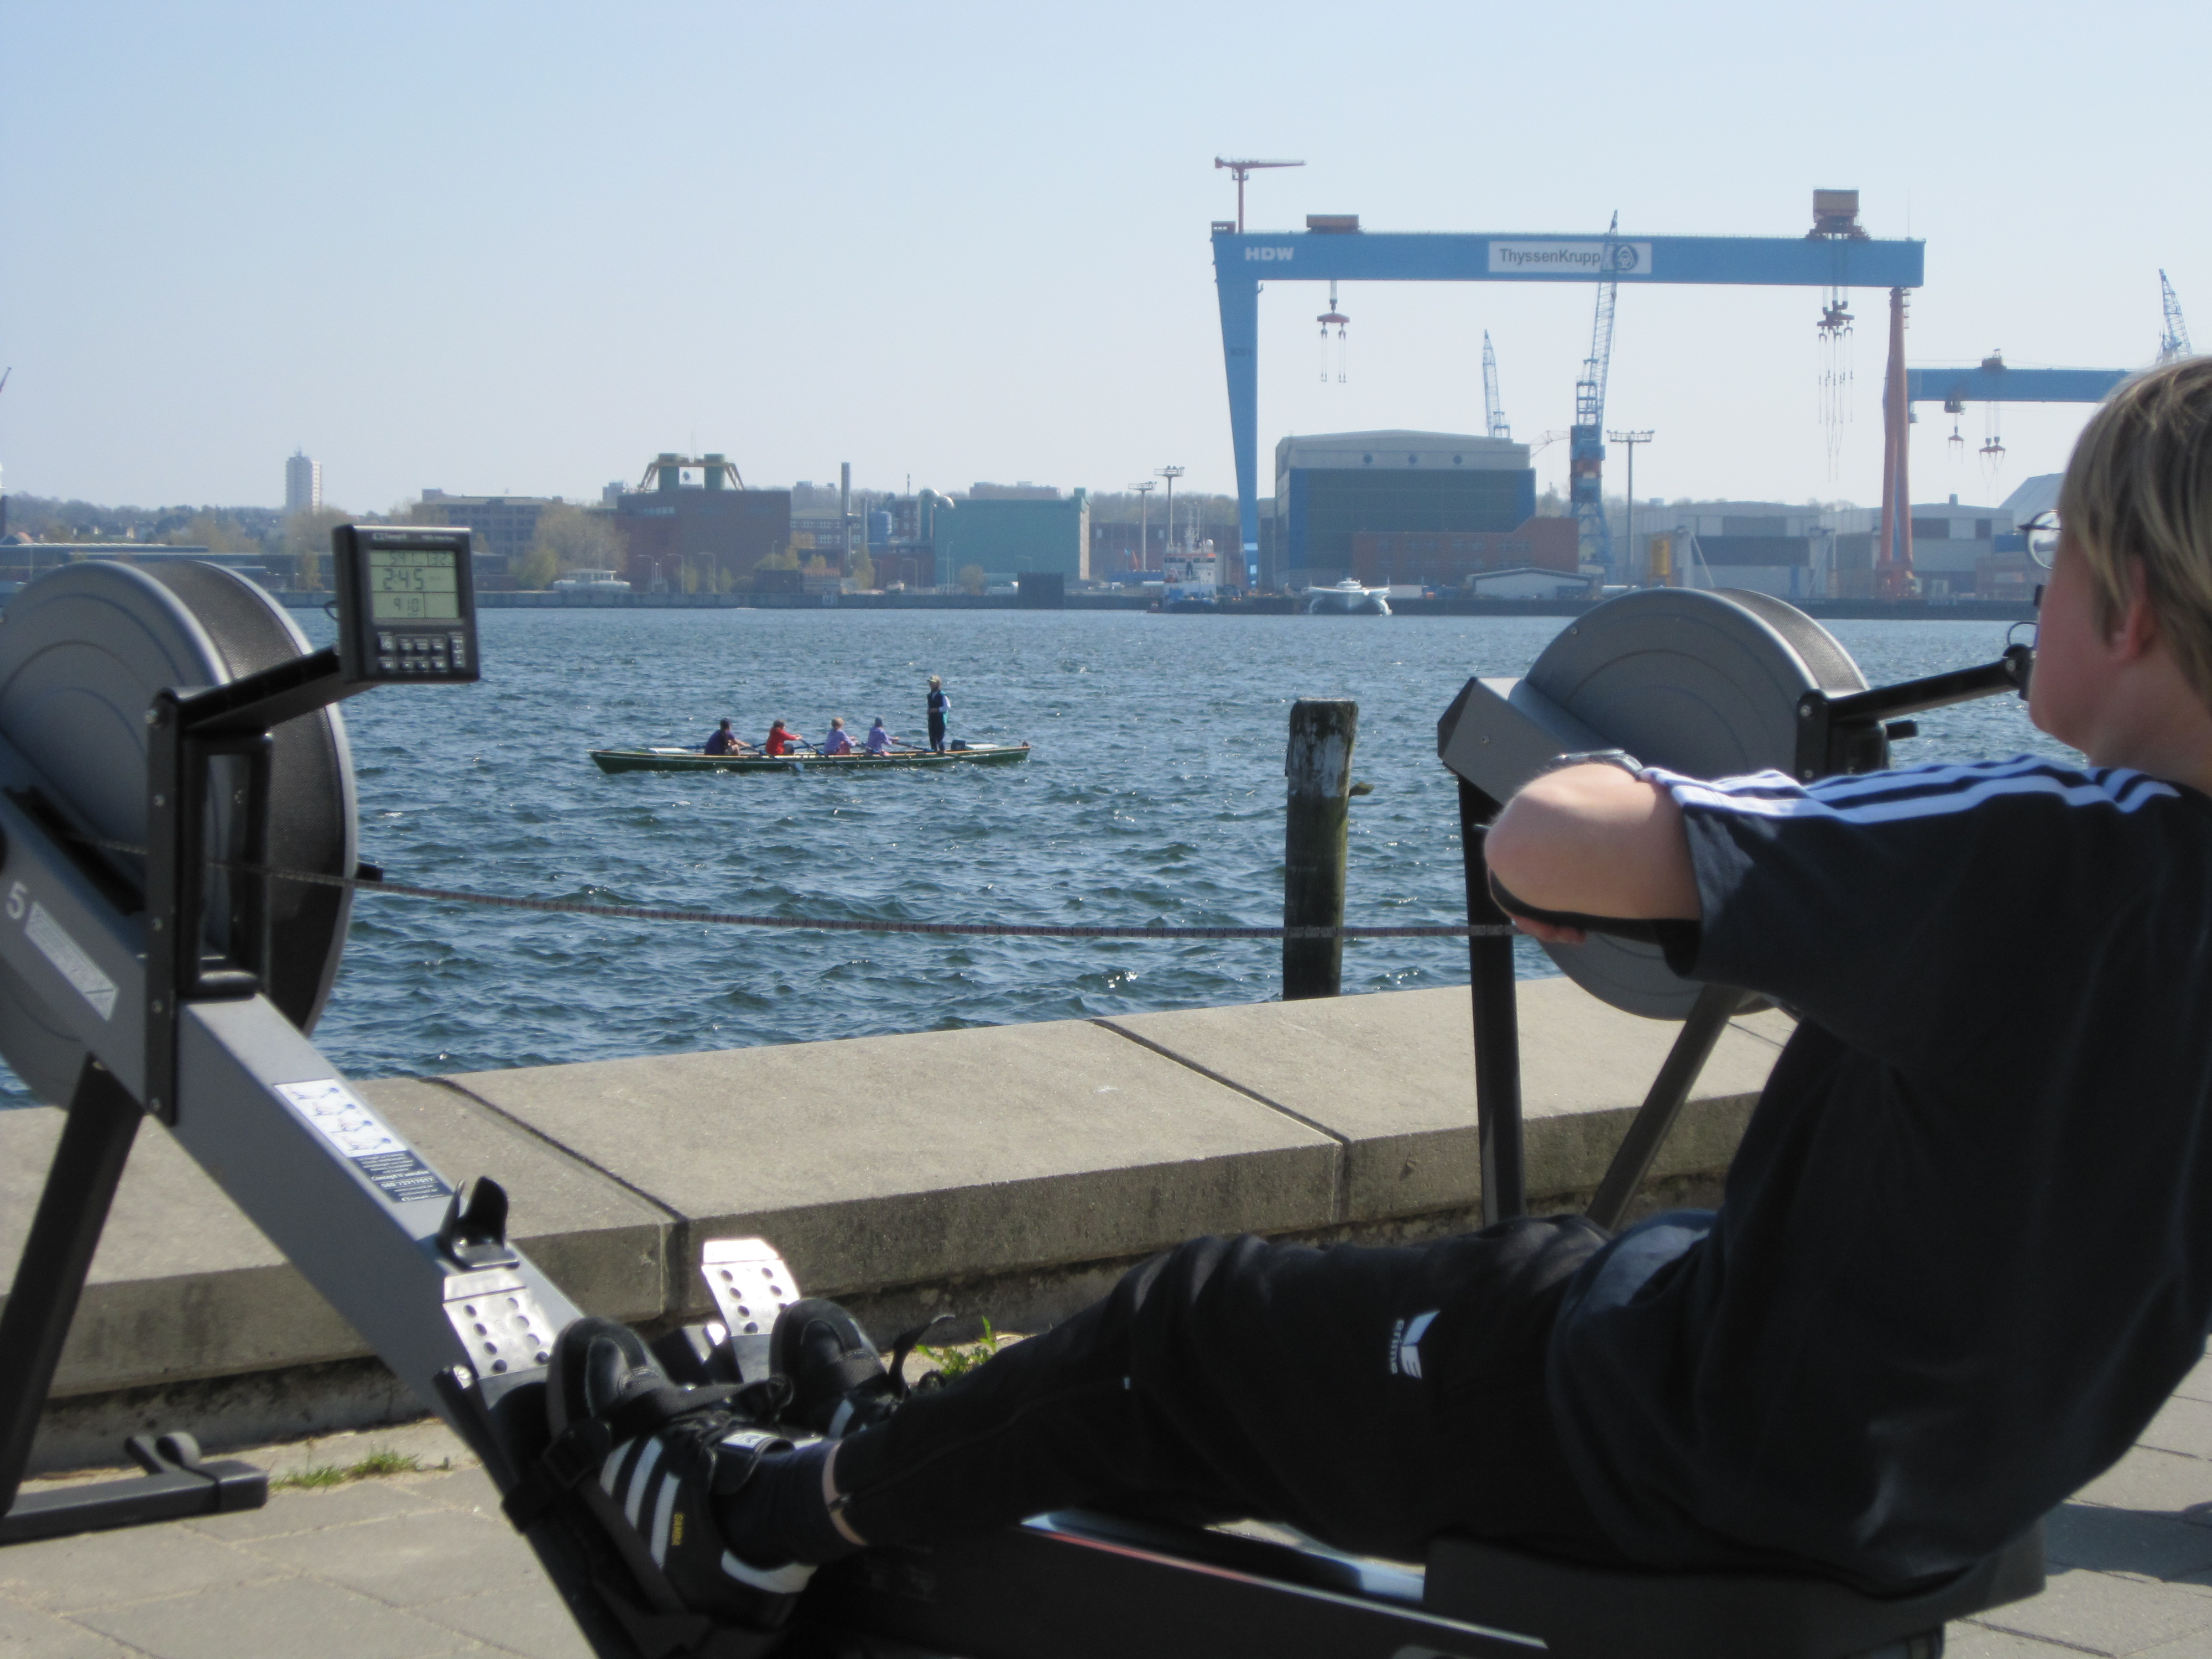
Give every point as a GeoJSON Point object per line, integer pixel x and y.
{"type": "Point", "coordinates": [1144, 488]}
{"type": "Point", "coordinates": [1167, 535]}
{"type": "Point", "coordinates": [1630, 438]}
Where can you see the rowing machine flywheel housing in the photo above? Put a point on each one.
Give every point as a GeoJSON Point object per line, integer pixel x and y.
{"type": "Point", "coordinates": [83, 650]}
{"type": "Point", "coordinates": [1702, 683]}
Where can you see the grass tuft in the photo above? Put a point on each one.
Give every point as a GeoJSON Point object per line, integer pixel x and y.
{"type": "Point", "coordinates": [959, 1360]}
{"type": "Point", "coordinates": [317, 1475]}
{"type": "Point", "coordinates": [314, 1475]}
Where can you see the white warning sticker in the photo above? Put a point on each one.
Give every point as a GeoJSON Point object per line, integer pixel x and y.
{"type": "Point", "coordinates": [345, 1121]}
{"type": "Point", "coordinates": [70, 960]}
{"type": "Point", "coordinates": [342, 1116]}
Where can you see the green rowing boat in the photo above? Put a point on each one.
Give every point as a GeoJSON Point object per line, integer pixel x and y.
{"type": "Point", "coordinates": [690, 760]}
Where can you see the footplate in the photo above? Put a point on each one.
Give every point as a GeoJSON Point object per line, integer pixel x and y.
{"type": "Point", "coordinates": [750, 1285]}
{"type": "Point", "coordinates": [498, 1319]}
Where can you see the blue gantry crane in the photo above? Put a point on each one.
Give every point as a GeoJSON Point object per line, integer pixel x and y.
{"type": "Point", "coordinates": [1993, 381]}
{"type": "Point", "coordinates": [1332, 246]}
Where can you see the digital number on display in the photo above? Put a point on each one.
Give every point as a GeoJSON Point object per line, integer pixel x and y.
{"type": "Point", "coordinates": [410, 584]}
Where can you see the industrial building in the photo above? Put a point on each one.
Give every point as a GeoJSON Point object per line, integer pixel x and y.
{"type": "Point", "coordinates": [1768, 547]}
{"type": "Point", "coordinates": [824, 533]}
{"type": "Point", "coordinates": [1446, 558]}
{"type": "Point", "coordinates": [1953, 547]}
{"type": "Point", "coordinates": [1959, 551]}
{"type": "Point", "coordinates": [706, 524]}
{"type": "Point", "coordinates": [1006, 537]}
{"type": "Point", "coordinates": [501, 528]}
{"type": "Point", "coordinates": [1330, 488]}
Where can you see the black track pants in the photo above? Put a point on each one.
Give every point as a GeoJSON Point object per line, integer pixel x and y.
{"type": "Point", "coordinates": [936, 731]}
{"type": "Point", "coordinates": [1370, 1396]}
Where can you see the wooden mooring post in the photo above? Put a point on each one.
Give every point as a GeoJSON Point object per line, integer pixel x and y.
{"type": "Point", "coordinates": [1319, 766]}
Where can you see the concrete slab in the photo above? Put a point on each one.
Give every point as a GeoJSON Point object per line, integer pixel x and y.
{"type": "Point", "coordinates": [2143, 1543]}
{"type": "Point", "coordinates": [184, 1285]}
{"type": "Point", "coordinates": [1392, 1076]}
{"type": "Point", "coordinates": [70, 1576]}
{"type": "Point", "coordinates": [286, 1616]}
{"type": "Point", "coordinates": [886, 1160]}
{"type": "Point", "coordinates": [2105, 1614]}
{"type": "Point", "coordinates": [2154, 1478]}
{"type": "Point", "coordinates": [406, 1560]}
{"type": "Point", "coordinates": [1972, 1641]}
{"type": "Point", "coordinates": [532, 1622]}
{"type": "Point", "coordinates": [25, 1634]}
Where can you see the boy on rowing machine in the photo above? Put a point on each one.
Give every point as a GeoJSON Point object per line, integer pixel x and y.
{"type": "Point", "coordinates": [1961, 1258]}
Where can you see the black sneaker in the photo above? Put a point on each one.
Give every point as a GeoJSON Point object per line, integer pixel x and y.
{"type": "Point", "coordinates": [664, 1454]}
{"type": "Point", "coordinates": [839, 1382]}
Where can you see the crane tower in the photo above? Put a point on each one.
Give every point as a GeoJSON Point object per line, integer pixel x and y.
{"type": "Point", "coordinates": [1586, 443]}
{"type": "Point", "coordinates": [2175, 341]}
{"type": "Point", "coordinates": [1498, 427]}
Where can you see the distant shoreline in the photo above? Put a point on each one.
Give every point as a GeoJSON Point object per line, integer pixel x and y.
{"type": "Point", "coordinates": [1263, 605]}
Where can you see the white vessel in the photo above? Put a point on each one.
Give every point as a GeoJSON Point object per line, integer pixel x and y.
{"type": "Point", "coordinates": [1192, 575]}
{"type": "Point", "coordinates": [591, 581]}
{"type": "Point", "coordinates": [1347, 599]}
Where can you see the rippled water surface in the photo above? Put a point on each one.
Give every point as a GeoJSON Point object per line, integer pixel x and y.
{"type": "Point", "coordinates": [1154, 795]}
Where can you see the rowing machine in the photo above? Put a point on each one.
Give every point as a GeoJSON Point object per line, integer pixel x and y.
{"type": "Point", "coordinates": [177, 713]}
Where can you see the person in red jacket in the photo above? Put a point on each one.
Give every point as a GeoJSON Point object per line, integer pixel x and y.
{"type": "Point", "coordinates": [782, 738]}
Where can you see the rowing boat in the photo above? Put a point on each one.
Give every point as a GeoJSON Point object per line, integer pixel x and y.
{"type": "Point", "coordinates": [690, 760]}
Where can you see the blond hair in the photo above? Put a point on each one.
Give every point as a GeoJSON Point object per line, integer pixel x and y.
{"type": "Point", "coordinates": [2139, 489]}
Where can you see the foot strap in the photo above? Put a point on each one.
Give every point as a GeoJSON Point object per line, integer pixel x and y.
{"type": "Point", "coordinates": [905, 1346]}
{"type": "Point", "coordinates": [577, 1454]}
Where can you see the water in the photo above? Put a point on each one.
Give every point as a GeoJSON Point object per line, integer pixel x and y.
{"type": "Point", "coordinates": [1154, 796]}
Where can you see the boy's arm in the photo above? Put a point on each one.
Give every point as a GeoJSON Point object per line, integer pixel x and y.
{"type": "Point", "coordinates": [1594, 840]}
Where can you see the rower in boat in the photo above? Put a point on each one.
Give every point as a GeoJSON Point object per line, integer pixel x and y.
{"type": "Point", "coordinates": [796, 757]}
{"type": "Point", "coordinates": [782, 739]}
{"type": "Point", "coordinates": [879, 741]}
{"type": "Point", "coordinates": [723, 741]}
{"type": "Point", "coordinates": [837, 743]}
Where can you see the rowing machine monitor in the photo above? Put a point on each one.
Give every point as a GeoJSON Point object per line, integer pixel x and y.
{"type": "Point", "coordinates": [406, 600]}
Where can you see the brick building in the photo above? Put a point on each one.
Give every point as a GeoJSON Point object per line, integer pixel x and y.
{"type": "Point", "coordinates": [696, 515]}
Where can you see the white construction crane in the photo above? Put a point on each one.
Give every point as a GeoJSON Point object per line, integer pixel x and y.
{"type": "Point", "coordinates": [2175, 341]}
{"type": "Point", "coordinates": [1498, 426]}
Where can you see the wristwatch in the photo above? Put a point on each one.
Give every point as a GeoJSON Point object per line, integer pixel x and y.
{"type": "Point", "coordinates": [1620, 758]}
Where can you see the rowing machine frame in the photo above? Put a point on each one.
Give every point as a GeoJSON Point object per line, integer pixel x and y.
{"type": "Point", "coordinates": [420, 1268]}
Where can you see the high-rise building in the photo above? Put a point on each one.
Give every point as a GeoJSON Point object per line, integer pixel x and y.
{"type": "Point", "coordinates": [303, 483]}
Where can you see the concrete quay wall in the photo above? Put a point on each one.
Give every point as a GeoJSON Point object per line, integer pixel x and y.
{"type": "Point", "coordinates": [1010, 1171]}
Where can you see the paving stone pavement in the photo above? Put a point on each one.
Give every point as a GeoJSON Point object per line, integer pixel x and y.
{"type": "Point", "coordinates": [412, 1565]}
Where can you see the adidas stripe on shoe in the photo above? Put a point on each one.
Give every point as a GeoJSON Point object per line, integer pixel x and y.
{"type": "Point", "coordinates": [648, 1461]}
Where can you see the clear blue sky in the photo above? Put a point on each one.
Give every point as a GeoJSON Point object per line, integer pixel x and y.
{"type": "Point", "coordinates": [523, 246]}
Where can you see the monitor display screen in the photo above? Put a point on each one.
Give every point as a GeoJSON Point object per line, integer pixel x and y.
{"type": "Point", "coordinates": [414, 583]}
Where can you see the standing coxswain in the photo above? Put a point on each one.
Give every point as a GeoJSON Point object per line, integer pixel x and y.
{"type": "Point", "coordinates": [940, 706]}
